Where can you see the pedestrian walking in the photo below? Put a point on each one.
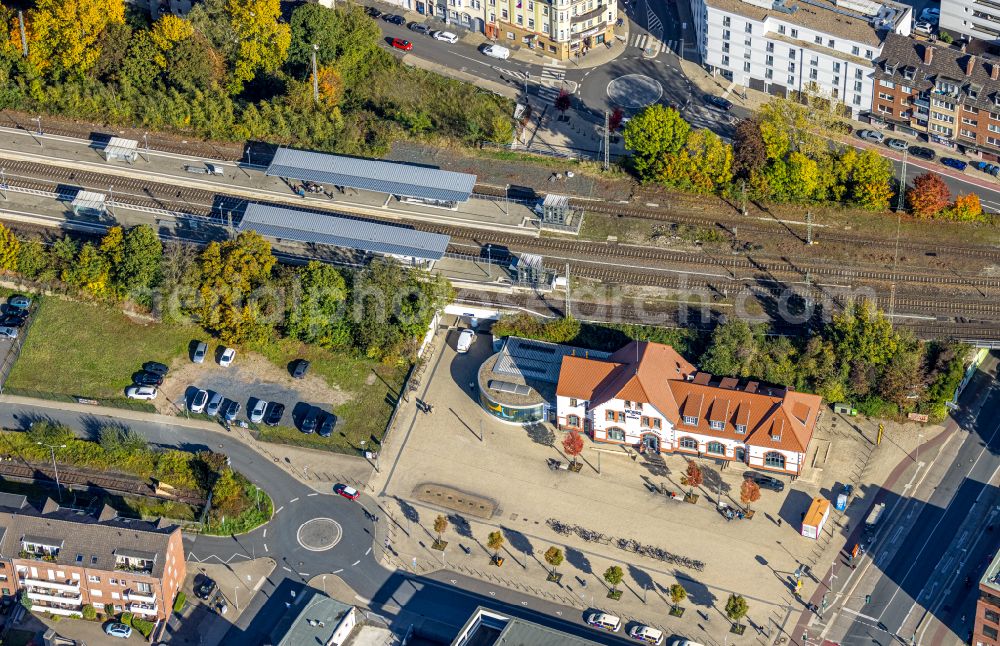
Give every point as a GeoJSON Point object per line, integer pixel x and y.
{"type": "Point", "coordinates": [779, 522]}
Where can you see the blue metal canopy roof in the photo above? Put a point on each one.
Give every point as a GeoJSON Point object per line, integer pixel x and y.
{"type": "Point", "coordinates": [372, 175]}
{"type": "Point", "coordinates": [318, 228]}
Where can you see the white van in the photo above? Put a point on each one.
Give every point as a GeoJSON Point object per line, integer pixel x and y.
{"type": "Point", "coordinates": [496, 51]}
{"type": "Point", "coordinates": [465, 341]}
{"type": "Point", "coordinates": [446, 36]}
{"type": "Point", "coordinates": [605, 621]}
{"type": "Point", "coordinates": [646, 634]}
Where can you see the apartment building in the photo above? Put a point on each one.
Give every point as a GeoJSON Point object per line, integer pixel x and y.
{"type": "Point", "coordinates": [65, 558]}
{"type": "Point", "coordinates": [946, 93]}
{"type": "Point", "coordinates": [823, 48]}
{"type": "Point", "coordinates": [558, 28]}
{"type": "Point", "coordinates": [971, 18]}
{"type": "Point", "coordinates": [647, 395]}
{"type": "Point", "coordinates": [986, 630]}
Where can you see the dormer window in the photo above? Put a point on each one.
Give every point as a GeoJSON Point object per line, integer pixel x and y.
{"type": "Point", "coordinates": [741, 428]}
{"type": "Point", "coordinates": [909, 72]}
{"type": "Point", "coordinates": [775, 438]}
{"type": "Point", "coordinates": [716, 426]}
{"type": "Point", "coordinates": [690, 421]}
{"type": "Point", "coordinates": [40, 547]}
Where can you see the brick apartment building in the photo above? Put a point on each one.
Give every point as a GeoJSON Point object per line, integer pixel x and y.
{"type": "Point", "coordinates": [66, 558]}
{"type": "Point", "coordinates": [950, 95]}
{"type": "Point", "coordinates": [986, 631]}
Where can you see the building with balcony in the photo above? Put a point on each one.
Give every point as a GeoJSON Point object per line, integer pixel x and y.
{"type": "Point", "coordinates": [820, 48]}
{"type": "Point", "coordinates": [986, 628]}
{"type": "Point", "coordinates": [64, 559]}
{"type": "Point", "coordinates": [949, 94]}
{"type": "Point", "coordinates": [559, 29]}
{"type": "Point", "coordinates": [646, 395]}
{"type": "Point", "coordinates": [971, 18]}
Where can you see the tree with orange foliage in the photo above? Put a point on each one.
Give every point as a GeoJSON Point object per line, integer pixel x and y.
{"type": "Point", "coordinates": [966, 208]}
{"type": "Point", "coordinates": [573, 445]}
{"type": "Point", "coordinates": [929, 195]}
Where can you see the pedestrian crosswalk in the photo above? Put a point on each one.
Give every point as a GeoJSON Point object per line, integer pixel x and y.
{"type": "Point", "coordinates": [645, 40]}
{"type": "Point", "coordinates": [551, 82]}
{"type": "Point", "coordinates": [553, 74]}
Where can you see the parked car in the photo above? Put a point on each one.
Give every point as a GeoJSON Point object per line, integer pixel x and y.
{"type": "Point", "coordinates": [200, 351]}
{"type": "Point", "coordinates": [214, 403]}
{"type": "Point", "coordinates": [205, 590]}
{"type": "Point", "coordinates": [373, 12]}
{"type": "Point", "coordinates": [465, 340]}
{"type": "Point", "coordinates": [118, 630]}
{"type": "Point", "coordinates": [310, 420]}
{"type": "Point", "coordinates": [871, 135]}
{"type": "Point", "coordinates": [957, 164]}
{"type": "Point", "coordinates": [897, 144]}
{"type": "Point", "coordinates": [765, 481]}
{"type": "Point", "coordinates": [922, 153]}
{"type": "Point", "coordinates": [8, 332]}
{"type": "Point", "coordinates": [198, 401]}
{"type": "Point", "coordinates": [141, 392]}
{"type": "Point", "coordinates": [923, 27]}
{"type": "Point", "coordinates": [231, 410]}
{"type": "Point", "coordinates": [446, 36]}
{"type": "Point", "coordinates": [156, 368]}
{"type": "Point", "coordinates": [327, 425]}
{"type": "Point", "coordinates": [404, 45]}
{"type": "Point", "coordinates": [227, 356]}
{"type": "Point", "coordinates": [300, 368]}
{"type": "Point", "coordinates": [718, 102]}
{"type": "Point", "coordinates": [347, 492]}
{"type": "Point", "coordinates": [147, 379]}
{"type": "Point", "coordinates": [12, 320]}
{"type": "Point", "coordinates": [931, 15]}
{"type": "Point", "coordinates": [646, 634]}
{"type": "Point", "coordinates": [420, 27]}
{"type": "Point", "coordinates": [19, 301]}
{"type": "Point", "coordinates": [256, 413]}
{"type": "Point", "coordinates": [604, 621]}
{"type": "Point", "coordinates": [275, 411]}
{"type": "Point", "coordinates": [496, 51]}
{"type": "Point", "coordinates": [394, 19]}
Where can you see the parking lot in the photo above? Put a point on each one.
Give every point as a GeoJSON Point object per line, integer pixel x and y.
{"type": "Point", "coordinates": [249, 378]}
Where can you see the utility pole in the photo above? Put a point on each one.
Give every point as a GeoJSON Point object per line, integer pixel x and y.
{"type": "Point", "coordinates": [607, 141]}
{"type": "Point", "coordinates": [569, 311]}
{"type": "Point", "coordinates": [24, 38]}
{"type": "Point", "coordinates": [743, 197]}
{"type": "Point", "coordinates": [52, 452]}
{"type": "Point", "coordinates": [902, 185]}
{"type": "Point", "coordinates": [315, 74]}
{"type": "Point", "coordinates": [809, 228]}
{"type": "Point", "coordinates": [3, 183]}
{"type": "Point", "coordinates": [145, 141]}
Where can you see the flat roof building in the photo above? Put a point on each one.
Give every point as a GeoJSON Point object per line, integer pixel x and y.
{"type": "Point", "coordinates": [314, 618]}
{"type": "Point", "coordinates": [119, 149]}
{"type": "Point", "coordinates": [488, 627]}
{"type": "Point", "coordinates": [413, 247]}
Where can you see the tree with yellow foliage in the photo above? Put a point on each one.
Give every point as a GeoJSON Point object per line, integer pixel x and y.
{"type": "Point", "coordinates": [10, 249]}
{"type": "Point", "coordinates": [263, 39]}
{"type": "Point", "coordinates": [167, 32]}
{"type": "Point", "coordinates": [63, 34]}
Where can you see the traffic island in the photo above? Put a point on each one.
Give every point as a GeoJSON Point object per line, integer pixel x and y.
{"type": "Point", "coordinates": [614, 594]}
{"type": "Point", "coordinates": [737, 629]}
{"type": "Point", "coordinates": [439, 545]}
{"type": "Point", "coordinates": [554, 577]}
{"type": "Point", "coordinates": [676, 611]}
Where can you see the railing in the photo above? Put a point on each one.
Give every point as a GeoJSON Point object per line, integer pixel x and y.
{"type": "Point", "coordinates": [125, 567]}
{"type": "Point", "coordinates": [40, 583]}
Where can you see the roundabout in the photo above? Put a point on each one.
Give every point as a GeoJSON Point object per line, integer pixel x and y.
{"type": "Point", "coordinates": [634, 91]}
{"type": "Point", "coordinates": [319, 534]}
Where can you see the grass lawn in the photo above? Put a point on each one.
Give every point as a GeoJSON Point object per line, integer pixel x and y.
{"type": "Point", "coordinates": [78, 349]}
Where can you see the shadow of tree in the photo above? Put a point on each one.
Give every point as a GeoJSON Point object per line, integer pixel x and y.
{"type": "Point", "coordinates": [698, 592]}
{"type": "Point", "coordinates": [579, 560]}
{"type": "Point", "coordinates": [460, 525]}
{"type": "Point", "coordinates": [656, 466]}
{"type": "Point", "coordinates": [713, 482]}
{"type": "Point", "coordinates": [540, 434]}
{"type": "Point", "coordinates": [409, 511]}
{"type": "Point", "coordinates": [641, 578]}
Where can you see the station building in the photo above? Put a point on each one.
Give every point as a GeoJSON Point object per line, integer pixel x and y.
{"type": "Point", "coordinates": [646, 395]}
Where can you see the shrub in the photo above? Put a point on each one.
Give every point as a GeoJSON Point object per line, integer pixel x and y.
{"type": "Point", "coordinates": [143, 626]}
{"type": "Point", "coordinates": [89, 612]}
{"type": "Point", "coordinates": [180, 601]}
{"type": "Point", "coordinates": [127, 618]}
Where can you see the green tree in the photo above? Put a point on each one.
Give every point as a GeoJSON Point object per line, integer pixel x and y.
{"type": "Point", "coordinates": [709, 162]}
{"type": "Point", "coordinates": [32, 259]}
{"type": "Point", "coordinates": [263, 39]}
{"type": "Point", "coordinates": [651, 135]}
{"type": "Point", "coordinates": [677, 594]}
{"type": "Point", "coordinates": [871, 181]}
{"type": "Point", "coordinates": [614, 576]}
{"type": "Point", "coordinates": [554, 557]}
{"type": "Point", "coordinates": [862, 333]}
{"type": "Point", "coordinates": [10, 250]}
{"type": "Point", "coordinates": [316, 314]}
{"type": "Point", "coordinates": [313, 24]}
{"type": "Point", "coordinates": [901, 381]}
{"type": "Point", "coordinates": [732, 349]}
{"type": "Point", "coordinates": [193, 65]}
{"type": "Point", "coordinates": [804, 178]}
{"type": "Point", "coordinates": [90, 271]}
{"type": "Point", "coordinates": [49, 433]}
{"type": "Point", "coordinates": [501, 130]}
{"type": "Point", "coordinates": [139, 69]}
{"type": "Point", "coordinates": [230, 272]}
{"type": "Point", "coordinates": [65, 33]}
{"type": "Point", "coordinates": [736, 608]}
{"type": "Point", "coordinates": [226, 493]}
{"type": "Point", "coordinates": [139, 268]}
{"type": "Point", "coordinates": [26, 600]}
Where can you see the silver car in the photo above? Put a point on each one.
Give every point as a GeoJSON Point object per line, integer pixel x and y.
{"type": "Point", "coordinates": [256, 413]}
{"type": "Point", "coordinates": [8, 332]}
{"type": "Point", "coordinates": [873, 136]}
{"type": "Point", "coordinates": [897, 144]}
{"type": "Point", "coordinates": [198, 401]}
{"type": "Point", "coordinates": [200, 351]}
{"type": "Point", "coordinates": [214, 402]}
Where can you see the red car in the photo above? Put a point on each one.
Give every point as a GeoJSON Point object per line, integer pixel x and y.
{"type": "Point", "coordinates": [347, 492]}
{"type": "Point", "coordinates": [404, 45]}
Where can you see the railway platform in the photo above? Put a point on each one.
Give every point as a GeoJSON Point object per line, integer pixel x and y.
{"type": "Point", "coordinates": [29, 156]}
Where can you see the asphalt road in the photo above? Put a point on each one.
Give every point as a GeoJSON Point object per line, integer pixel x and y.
{"type": "Point", "coordinates": [946, 541]}
{"type": "Point", "coordinates": [438, 604]}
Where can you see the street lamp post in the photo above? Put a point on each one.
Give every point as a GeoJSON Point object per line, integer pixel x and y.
{"type": "Point", "coordinates": [315, 74]}
{"type": "Point", "coordinates": [52, 452]}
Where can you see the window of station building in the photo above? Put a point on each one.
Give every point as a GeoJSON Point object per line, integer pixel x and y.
{"type": "Point", "coordinates": [616, 434]}
{"type": "Point", "coordinates": [572, 420]}
{"type": "Point", "coordinates": [715, 448]}
{"type": "Point", "coordinates": [689, 443]}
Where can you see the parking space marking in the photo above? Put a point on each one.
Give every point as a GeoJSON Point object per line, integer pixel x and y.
{"type": "Point", "coordinates": [265, 548]}
{"type": "Point", "coordinates": [311, 494]}
{"type": "Point", "coordinates": [295, 499]}
{"type": "Point", "coordinates": [338, 571]}
{"type": "Point", "coordinates": [286, 569]}
{"type": "Point", "coordinates": [302, 573]}
{"type": "Point", "coordinates": [265, 532]}
{"type": "Point", "coordinates": [278, 510]}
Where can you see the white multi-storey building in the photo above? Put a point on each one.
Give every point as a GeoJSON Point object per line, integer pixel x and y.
{"type": "Point", "coordinates": [558, 28]}
{"type": "Point", "coordinates": [976, 18]}
{"type": "Point", "coordinates": [817, 47]}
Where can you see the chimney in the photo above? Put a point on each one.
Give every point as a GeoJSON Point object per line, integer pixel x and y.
{"type": "Point", "coordinates": [928, 54]}
{"type": "Point", "coordinates": [995, 71]}
{"type": "Point", "coordinates": [970, 63]}
{"type": "Point", "coordinates": [963, 46]}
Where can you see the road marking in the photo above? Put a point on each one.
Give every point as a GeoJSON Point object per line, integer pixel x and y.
{"type": "Point", "coordinates": [265, 548]}
{"type": "Point", "coordinates": [302, 573]}
{"type": "Point", "coordinates": [286, 569]}
{"type": "Point", "coordinates": [362, 599]}
{"type": "Point", "coordinates": [355, 563]}
{"type": "Point", "coordinates": [368, 551]}
{"type": "Point", "coordinates": [295, 499]}
{"type": "Point", "coordinates": [311, 495]}
{"type": "Point", "coordinates": [895, 535]}
{"type": "Point", "coordinates": [337, 571]}
{"type": "Point", "coordinates": [265, 533]}
{"type": "Point", "coordinates": [278, 510]}
{"type": "Point", "coordinates": [860, 615]}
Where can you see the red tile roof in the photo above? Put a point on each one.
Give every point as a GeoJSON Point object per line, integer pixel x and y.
{"type": "Point", "coordinates": [655, 374]}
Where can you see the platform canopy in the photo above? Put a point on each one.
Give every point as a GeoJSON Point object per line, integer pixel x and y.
{"type": "Point", "coordinates": [376, 175]}
{"type": "Point", "coordinates": [119, 148]}
{"type": "Point", "coordinates": [336, 231]}
{"type": "Point", "coordinates": [88, 201]}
